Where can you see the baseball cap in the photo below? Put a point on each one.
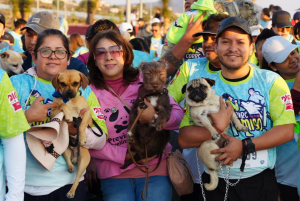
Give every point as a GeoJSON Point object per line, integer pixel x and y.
{"type": "Point", "coordinates": [281, 19]}
{"type": "Point", "coordinates": [41, 21]}
{"type": "Point", "coordinates": [297, 16]}
{"type": "Point", "coordinates": [154, 20]}
{"type": "Point", "coordinates": [9, 37]}
{"type": "Point", "coordinates": [210, 28]}
{"type": "Point", "coordinates": [2, 19]}
{"type": "Point", "coordinates": [126, 27]}
{"type": "Point", "coordinates": [234, 22]}
{"type": "Point", "coordinates": [277, 49]}
{"type": "Point", "coordinates": [256, 30]}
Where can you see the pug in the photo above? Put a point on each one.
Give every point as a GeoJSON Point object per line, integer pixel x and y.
{"type": "Point", "coordinates": [202, 101]}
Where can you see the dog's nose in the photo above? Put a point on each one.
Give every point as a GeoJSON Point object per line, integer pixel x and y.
{"type": "Point", "coordinates": [69, 92]}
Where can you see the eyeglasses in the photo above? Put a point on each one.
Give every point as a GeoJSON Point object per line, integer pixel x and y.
{"type": "Point", "coordinates": [114, 51]}
{"type": "Point", "coordinates": [154, 30]}
{"type": "Point", "coordinates": [59, 54]}
{"type": "Point", "coordinates": [288, 29]}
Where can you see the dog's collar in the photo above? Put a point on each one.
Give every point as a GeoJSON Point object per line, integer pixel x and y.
{"type": "Point", "coordinates": [143, 93]}
{"type": "Point", "coordinates": [56, 94]}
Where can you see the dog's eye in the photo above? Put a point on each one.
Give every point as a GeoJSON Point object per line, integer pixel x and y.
{"type": "Point", "coordinates": [75, 84]}
{"type": "Point", "coordinates": [190, 88]}
{"type": "Point", "coordinates": [62, 84]}
{"type": "Point", "coordinates": [15, 65]}
{"type": "Point", "coordinates": [203, 87]}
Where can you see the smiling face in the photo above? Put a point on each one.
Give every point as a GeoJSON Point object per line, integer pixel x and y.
{"type": "Point", "coordinates": [290, 67]}
{"type": "Point", "coordinates": [111, 66]}
{"type": "Point", "coordinates": [47, 68]}
{"type": "Point", "coordinates": [233, 48]}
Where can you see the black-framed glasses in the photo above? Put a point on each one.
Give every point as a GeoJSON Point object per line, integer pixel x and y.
{"type": "Point", "coordinates": [59, 54]}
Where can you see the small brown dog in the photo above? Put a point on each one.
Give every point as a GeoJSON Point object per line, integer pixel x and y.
{"type": "Point", "coordinates": [67, 83]}
{"type": "Point", "coordinates": [152, 135]}
{"type": "Point", "coordinates": [12, 62]}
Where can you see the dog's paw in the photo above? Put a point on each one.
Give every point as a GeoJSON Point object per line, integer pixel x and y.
{"type": "Point", "coordinates": [70, 195]}
{"type": "Point", "coordinates": [82, 140]}
{"type": "Point", "coordinates": [68, 117]}
{"type": "Point", "coordinates": [215, 136]}
{"type": "Point", "coordinates": [71, 169]}
{"type": "Point", "coordinates": [242, 128]}
{"type": "Point", "coordinates": [160, 124]}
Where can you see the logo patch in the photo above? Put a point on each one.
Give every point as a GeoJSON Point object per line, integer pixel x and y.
{"type": "Point", "coordinates": [36, 20]}
{"type": "Point", "coordinates": [287, 100]}
{"type": "Point", "coordinates": [98, 113]}
{"type": "Point", "coordinates": [14, 102]}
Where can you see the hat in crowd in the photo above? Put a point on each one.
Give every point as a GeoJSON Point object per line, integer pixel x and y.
{"type": "Point", "coordinates": [296, 16]}
{"type": "Point", "coordinates": [277, 49]}
{"type": "Point", "coordinates": [210, 28]}
{"type": "Point", "coordinates": [234, 22]}
{"type": "Point", "coordinates": [154, 20]}
{"type": "Point", "coordinates": [41, 21]}
{"type": "Point", "coordinates": [9, 37]}
{"type": "Point", "coordinates": [55, 131]}
{"type": "Point", "coordinates": [2, 19]}
{"type": "Point", "coordinates": [126, 27]}
{"type": "Point", "coordinates": [281, 19]}
{"type": "Point", "coordinates": [256, 30]}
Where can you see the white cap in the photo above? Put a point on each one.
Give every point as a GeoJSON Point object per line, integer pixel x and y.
{"type": "Point", "coordinates": [154, 20]}
{"type": "Point", "coordinates": [126, 27]}
{"type": "Point", "coordinates": [255, 30]}
{"type": "Point", "coordinates": [277, 49]}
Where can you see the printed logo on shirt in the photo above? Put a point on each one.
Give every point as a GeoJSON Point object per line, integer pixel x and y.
{"type": "Point", "coordinates": [98, 113]}
{"type": "Point", "coordinates": [177, 74]}
{"type": "Point", "coordinates": [287, 100]}
{"type": "Point", "coordinates": [14, 102]}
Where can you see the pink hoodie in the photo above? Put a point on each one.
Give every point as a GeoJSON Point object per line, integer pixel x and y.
{"type": "Point", "coordinates": [112, 156]}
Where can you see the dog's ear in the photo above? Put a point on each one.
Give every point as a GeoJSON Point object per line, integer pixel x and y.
{"type": "Point", "coordinates": [23, 56]}
{"type": "Point", "coordinates": [55, 82]}
{"type": "Point", "coordinates": [142, 66]}
{"type": "Point", "coordinates": [210, 82]}
{"type": "Point", "coordinates": [4, 55]}
{"type": "Point", "coordinates": [183, 90]}
{"type": "Point", "coordinates": [84, 81]}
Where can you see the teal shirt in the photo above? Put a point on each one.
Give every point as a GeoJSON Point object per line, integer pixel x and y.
{"type": "Point", "coordinates": [139, 57]}
{"type": "Point", "coordinates": [17, 38]}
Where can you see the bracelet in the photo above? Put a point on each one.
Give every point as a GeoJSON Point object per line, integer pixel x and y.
{"type": "Point", "coordinates": [219, 131]}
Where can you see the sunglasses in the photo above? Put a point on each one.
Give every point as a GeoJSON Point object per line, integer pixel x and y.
{"type": "Point", "coordinates": [114, 51]}
{"type": "Point", "coordinates": [288, 29]}
{"type": "Point", "coordinates": [154, 30]}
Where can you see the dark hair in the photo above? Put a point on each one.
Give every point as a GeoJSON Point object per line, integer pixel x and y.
{"type": "Point", "coordinates": [266, 11]}
{"type": "Point", "coordinates": [271, 6]}
{"type": "Point", "coordinates": [88, 31]}
{"type": "Point", "coordinates": [9, 37]}
{"type": "Point", "coordinates": [297, 30]}
{"type": "Point", "coordinates": [215, 19]}
{"type": "Point", "coordinates": [266, 33]}
{"type": "Point", "coordinates": [156, 24]}
{"type": "Point", "coordinates": [19, 22]}
{"type": "Point", "coordinates": [51, 32]}
{"type": "Point", "coordinates": [75, 41]}
{"type": "Point", "coordinates": [140, 44]}
{"type": "Point", "coordinates": [276, 9]}
{"type": "Point", "coordinates": [130, 74]}
{"type": "Point", "coordinates": [102, 25]}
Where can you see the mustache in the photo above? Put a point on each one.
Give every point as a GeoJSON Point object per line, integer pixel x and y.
{"type": "Point", "coordinates": [233, 54]}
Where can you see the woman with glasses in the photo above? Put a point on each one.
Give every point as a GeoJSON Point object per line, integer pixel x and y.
{"type": "Point", "coordinates": [51, 55]}
{"type": "Point", "coordinates": [115, 83]}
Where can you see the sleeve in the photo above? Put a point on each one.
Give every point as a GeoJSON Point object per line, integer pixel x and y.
{"type": "Point", "coordinates": [13, 120]}
{"type": "Point", "coordinates": [176, 116]}
{"type": "Point", "coordinates": [15, 166]}
{"type": "Point", "coordinates": [96, 112]}
{"type": "Point", "coordinates": [180, 79]}
{"type": "Point", "coordinates": [281, 105]}
{"type": "Point", "coordinates": [296, 101]}
{"type": "Point", "coordinates": [110, 152]}
{"type": "Point", "coordinates": [94, 141]}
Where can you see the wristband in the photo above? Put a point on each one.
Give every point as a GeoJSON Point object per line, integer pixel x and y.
{"type": "Point", "coordinates": [219, 131]}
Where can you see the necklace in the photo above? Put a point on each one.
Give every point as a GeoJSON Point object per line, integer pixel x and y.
{"type": "Point", "coordinates": [114, 109]}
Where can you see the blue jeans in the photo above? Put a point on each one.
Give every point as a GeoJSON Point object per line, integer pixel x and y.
{"type": "Point", "coordinates": [160, 189]}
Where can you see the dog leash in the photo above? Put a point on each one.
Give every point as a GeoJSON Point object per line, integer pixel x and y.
{"type": "Point", "coordinates": [77, 122]}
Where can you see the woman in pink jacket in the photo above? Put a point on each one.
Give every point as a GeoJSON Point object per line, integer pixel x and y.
{"type": "Point", "coordinates": [110, 66]}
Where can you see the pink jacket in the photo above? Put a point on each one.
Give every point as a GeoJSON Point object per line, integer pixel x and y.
{"type": "Point", "coordinates": [112, 156]}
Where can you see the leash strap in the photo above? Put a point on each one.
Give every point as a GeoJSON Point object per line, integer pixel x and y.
{"type": "Point", "coordinates": [77, 122]}
{"type": "Point", "coordinates": [118, 96]}
{"type": "Point", "coordinates": [244, 156]}
{"type": "Point", "coordinates": [98, 127]}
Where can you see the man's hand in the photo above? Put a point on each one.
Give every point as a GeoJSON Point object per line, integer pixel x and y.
{"type": "Point", "coordinates": [72, 129]}
{"type": "Point", "coordinates": [38, 111]}
{"type": "Point", "coordinates": [193, 27]}
{"type": "Point", "coordinates": [231, 152]}
{"type": "Point", "coordinates": [222, 118]}
{"type": "Point", "coordinates": [148, 113]}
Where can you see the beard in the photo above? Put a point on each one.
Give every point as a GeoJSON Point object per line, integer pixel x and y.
{"type": "Point", "coordinates": [233, 66]}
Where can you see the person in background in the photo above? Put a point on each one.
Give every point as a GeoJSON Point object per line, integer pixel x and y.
{"type": "Point", "coordinates": [124, 26]}
{"type": "Point", "coordinates": [282, 57]}
{"type": "Point", "coordinates": [255, 31]}
{"type": "Point", "coordinates": [37, 23]}
{"type": "Point", "coordinates": [144, 29]}
{"type": "Point", "coordinates": [64, 26]}
{"type": "Point", "coordinates": [297, 31]}
{"type": "Point", "coordinates": [155, 40]}
{"type": "Point", "coordinates": [17, 33]}
{"type": "Point", "coordinates": [140, 44]}
{"type": "Point", "coordinates": [157, 14]}
{"type": "Point", "coordinates": [296, 17]}
{"type": "Point", "coordinates": [7, 37]}
{"type": "Point", "coordinates": [264, 16]}
{"type": "Point", "coordinates": [273, 11]}
{"type": "Point", "coordinates": [281, 24]}
{"type": "Point", "coordinates": [4, 45]}
{"type": "Point", "coordinates": [76, 45]}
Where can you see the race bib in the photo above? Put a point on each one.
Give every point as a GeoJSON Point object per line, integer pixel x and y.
{"type": "Point", "coordinates": [253, 160]}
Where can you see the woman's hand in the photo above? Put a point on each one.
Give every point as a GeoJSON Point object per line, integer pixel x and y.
{"type": "Point", "coordinates": [38, 111]}
{"type": "Point", "coordinates": [148, 113]}
{"type": "Point", "coordinates": [72, 128]}
{"type": "Point", "coordinates": [222, 118]}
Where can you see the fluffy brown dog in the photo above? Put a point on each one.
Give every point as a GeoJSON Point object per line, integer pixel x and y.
{"type": "Point", "coordinates": [152, 135]}
{"type": "Point", "coordinates": [67, 83]}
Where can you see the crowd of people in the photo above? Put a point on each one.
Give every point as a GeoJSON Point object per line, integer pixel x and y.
{"type": "Point", "coordinates": [256, 73]}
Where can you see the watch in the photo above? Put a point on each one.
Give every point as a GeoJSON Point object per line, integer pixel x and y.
{"type": "Point", "coordinates": [250, 146]}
